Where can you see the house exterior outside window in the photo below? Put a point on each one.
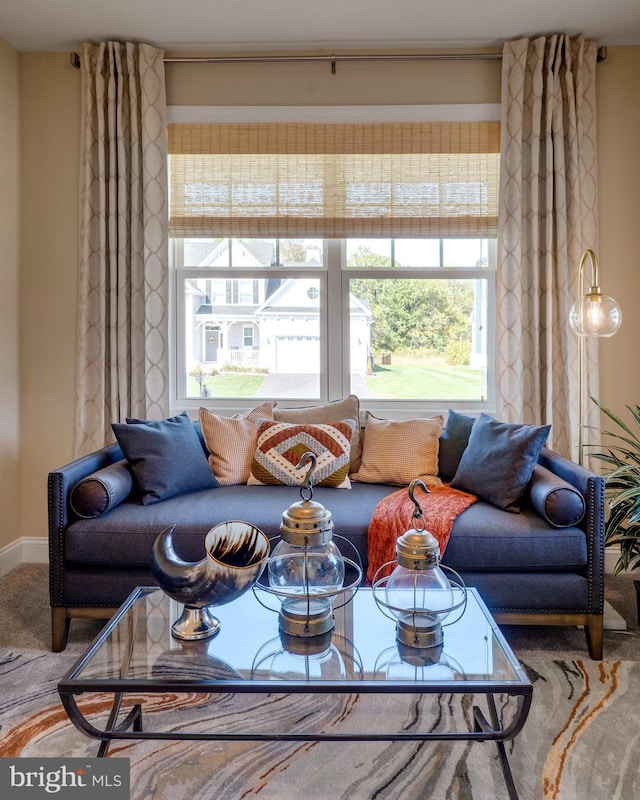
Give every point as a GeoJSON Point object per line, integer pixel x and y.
{"type": "Point", "coordinates": [401, 320]}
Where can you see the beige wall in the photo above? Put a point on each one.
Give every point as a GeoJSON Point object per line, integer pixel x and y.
{"type": "Point", "coordinates": [9, 318]}
{"type": "Point", "coordinates": [619, 202]}
{"type": "Point", "coordinates": [355, 83]}
{"type": "Point", "coordinates": [50, 136]}
{"type": "Point", "coordinates": [50, 99]}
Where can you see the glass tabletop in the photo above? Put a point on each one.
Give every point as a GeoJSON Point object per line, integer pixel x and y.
{"type": "Point", "coordinates": [136, 651]}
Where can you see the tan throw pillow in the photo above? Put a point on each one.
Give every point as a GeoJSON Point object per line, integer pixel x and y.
{"type": "Point", "coordinates": [231, 441]}
{"type": "Point", "coordinates": [281, 445]}
{"type": "Point", "coordinates": [348, 408]}
{"type": "Point", "coordinates": [398, 452]}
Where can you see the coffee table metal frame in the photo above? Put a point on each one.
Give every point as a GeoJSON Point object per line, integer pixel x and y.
{"type": "Point", "coordinates": [84, 677]}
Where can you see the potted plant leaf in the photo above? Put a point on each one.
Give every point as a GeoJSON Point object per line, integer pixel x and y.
{"type": "Point", "coordinates": [622, 486]}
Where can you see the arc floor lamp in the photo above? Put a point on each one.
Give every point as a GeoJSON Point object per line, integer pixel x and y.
{"type": "Point", "coordinates": [593, 314]}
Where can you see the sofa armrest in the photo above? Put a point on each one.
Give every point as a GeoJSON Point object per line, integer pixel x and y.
{"type": "Point", "coordinates": [59, 485]}
{"type": "Point", "coordinates": [591, 486]}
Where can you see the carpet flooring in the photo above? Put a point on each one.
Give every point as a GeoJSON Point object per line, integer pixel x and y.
{"type": "Point", "coordinates": [580, 741]}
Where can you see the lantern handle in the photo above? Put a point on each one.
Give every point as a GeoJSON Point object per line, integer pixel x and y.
{"type": "Point", "coordinates": [306, 490]}
{"type": "Point", "coordinates": [417, 513]}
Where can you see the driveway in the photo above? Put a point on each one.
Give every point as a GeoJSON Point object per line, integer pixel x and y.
{"type": "Point", "coordinates": [303, 386]}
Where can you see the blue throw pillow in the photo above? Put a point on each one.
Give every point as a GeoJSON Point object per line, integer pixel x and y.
{"type": "Point", "coordinates": [196, 426]}
{"type": "Point", "coordinates": [165, 456]}
{"type": "Point", "coordinates": [498, 461]}
{"type": "Point", "coordinates": [453, 443]}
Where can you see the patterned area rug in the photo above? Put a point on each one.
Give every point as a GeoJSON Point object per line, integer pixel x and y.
{"type": "Point", "coordinates": [581, 739]}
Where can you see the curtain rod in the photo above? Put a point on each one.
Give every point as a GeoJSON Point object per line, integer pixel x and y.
{"type": "Point", "coordinates": [334, 58]}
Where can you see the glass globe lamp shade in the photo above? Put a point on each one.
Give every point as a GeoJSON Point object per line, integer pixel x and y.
{"type": "Point", "coordinates": [420, 600]}
{"type": "Point", "coordinates": [595, 314]}
{"type": "Point", "coordinates": [418, 593]}
{"type": "Point", "coordinates": [308, 576]}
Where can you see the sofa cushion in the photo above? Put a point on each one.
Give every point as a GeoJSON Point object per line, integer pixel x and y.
{"type": "Point", "coordinates": [231, 441]}
{"type": "Point", "coordinates": [125, 536]}
{"type": "Point", "coordinates": [485, 538]}
{"type": "Point", "coordinates": [397, 452]}
{"type": "Point", "coordinates": [498, 461]}
{"type": "Point", "coordinates": [453, 442]}
{"type": "Point", "coordinates": [102, 490]}
{"type": "Point", "coordinates": [334, 411]}
{"type": "Point", "coordinates": [558, 502]}
{"type": "Point", "coordinates": [165, 457]}
{"type": "Point", "coordinates": [281, 445]}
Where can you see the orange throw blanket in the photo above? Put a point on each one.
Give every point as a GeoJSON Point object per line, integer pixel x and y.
{"type": "Point", "coordinates": [394, 515]}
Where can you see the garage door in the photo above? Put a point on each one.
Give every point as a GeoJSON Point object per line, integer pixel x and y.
{"type": "Point", "coordinates": [297, 354]}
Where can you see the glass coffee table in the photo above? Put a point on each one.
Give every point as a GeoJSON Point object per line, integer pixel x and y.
{"type": "Point", "coordinates": [136, 654]}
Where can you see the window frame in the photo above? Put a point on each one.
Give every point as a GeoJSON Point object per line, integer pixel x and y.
{"type": "Point", "coordinates": [334, 279]}
{"type": "Point", "coordinates": [335, 382]}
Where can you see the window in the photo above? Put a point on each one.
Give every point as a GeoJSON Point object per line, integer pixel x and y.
{"type": "Point", "coordinates": [248, 336]}
{"type": "Point", "coordinates": [306, 274]}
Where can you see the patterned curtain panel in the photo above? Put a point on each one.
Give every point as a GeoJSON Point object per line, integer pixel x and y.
{"type": "Point", "coordinates": [123, 295]}
{"type": "Point", "coordinates": [547, 218]}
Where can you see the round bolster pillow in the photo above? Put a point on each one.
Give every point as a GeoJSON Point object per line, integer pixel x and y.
{"type": "Point", "coordinates": [557, 501]}
{"type": "Point", "coordinates": [102, 490]}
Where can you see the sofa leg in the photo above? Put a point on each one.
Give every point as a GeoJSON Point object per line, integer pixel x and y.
{"type": "Point", "coordinates": [59, 629]}
{"type": "Point", "coordinates": [594, 631]}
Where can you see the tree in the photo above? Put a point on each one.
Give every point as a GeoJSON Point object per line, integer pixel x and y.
{"type": "Point", "coordinates": [292, 252]}
{"type": "Point", "coordinates": [413, 313]}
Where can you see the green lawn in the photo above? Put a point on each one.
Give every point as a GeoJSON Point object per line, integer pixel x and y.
{"type": "Point", "coordinates": [227, 385]}
{"type": "Point", "coordinates": [415, 382]}
{"type": "Point", "coordinates": [397, 381]}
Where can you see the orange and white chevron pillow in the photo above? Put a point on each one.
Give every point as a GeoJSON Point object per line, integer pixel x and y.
{"type": "Point", "coordinates": [281, 445]}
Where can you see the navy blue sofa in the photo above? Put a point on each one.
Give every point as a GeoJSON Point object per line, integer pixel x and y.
{"type": "Point", "coordinates": [526, 570]}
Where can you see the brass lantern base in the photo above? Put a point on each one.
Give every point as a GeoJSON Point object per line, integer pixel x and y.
{"type": "Point", "coordinates": [419, 630]}
{"type": "Point", "coordinates": [195, 624]}
{"type": "Point", "coordinates": [306, 617]}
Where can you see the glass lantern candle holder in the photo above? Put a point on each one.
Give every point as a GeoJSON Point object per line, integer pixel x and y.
{"type": "Point", "coordinates": [420, 593]}
{"type": "Point", "coordinates": [306, 568]}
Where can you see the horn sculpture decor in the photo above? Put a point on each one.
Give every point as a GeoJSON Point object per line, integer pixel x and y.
{"type": "Point", "coordinates": [236, 554]}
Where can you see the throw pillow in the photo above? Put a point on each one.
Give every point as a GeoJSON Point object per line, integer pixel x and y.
{"type": "Point", "coordinates": [453, 442]}
{"type": "Point", "coordinates": [498, 461]}
{"type": "Point", "coordinates": [557, 501]}
{"type": "Point", "coordinates": [280, 446]}
{"type": "Point", "coordinates": [231, 441]}
{"type": "Point", "coordinates": [102, 490]}
{"type": "Point", "coordinates": [334, 411]}
{"type": "Point", "coordinates": [165, 456]}
{"type": "Point", "coordinates": [196, 426]}
{"type": "Point", "coordinates": [397, 452]}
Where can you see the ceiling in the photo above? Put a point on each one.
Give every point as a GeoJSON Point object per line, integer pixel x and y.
{"type": "Point", "coordinates": [327, 25]}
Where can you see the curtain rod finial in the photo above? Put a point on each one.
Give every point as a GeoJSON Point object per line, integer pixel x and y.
{"type": "Point", "coordinates": [74, 58]}
{"type": "Point", "coordinates": [602, 54]}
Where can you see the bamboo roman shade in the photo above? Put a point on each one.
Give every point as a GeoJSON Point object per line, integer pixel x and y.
{"type": "Point", "coordinates": [300, 180]}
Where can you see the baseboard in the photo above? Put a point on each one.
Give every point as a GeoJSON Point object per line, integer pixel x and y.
{"type": "Point", "coordinates": [611, 555]}
{"type": "Point", "coordinates": [27, 550]}
{"type": "Point", "coordinates": [612, 620]}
